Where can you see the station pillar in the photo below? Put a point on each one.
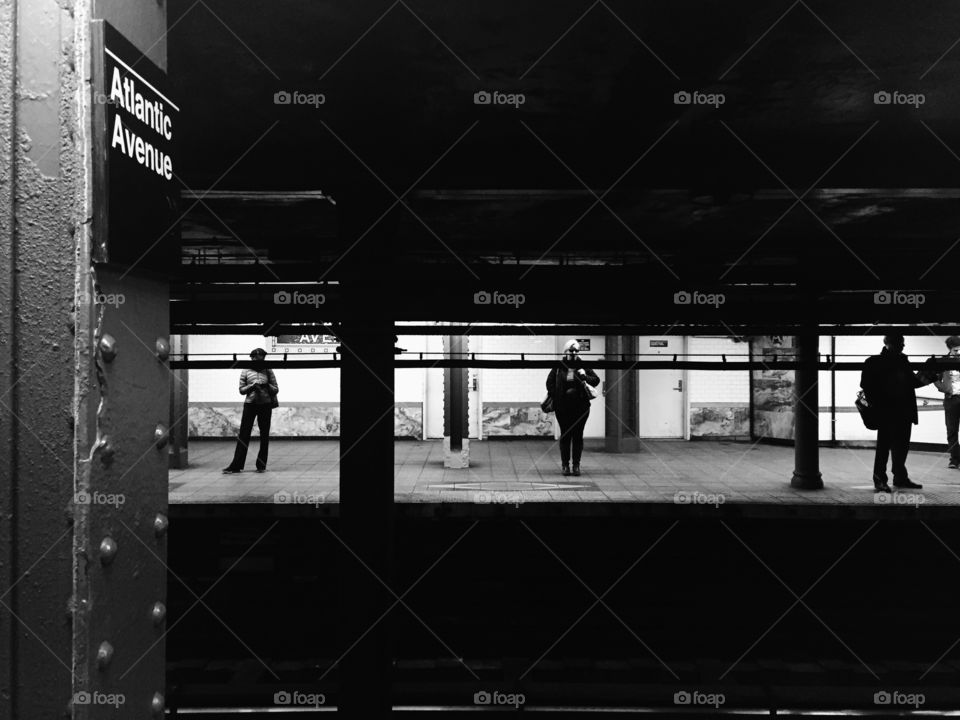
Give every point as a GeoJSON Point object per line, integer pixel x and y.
{"type": "Point", "coordinates": [179, 405]}
{"type": "Point", "coordinates": [456, 443]}
{"type": "Point", "coordinates": [367, 332]}
{"type": "Point", "coordinates": [621, 398]}
{"type": "Point", "coordinates": [806, 402]}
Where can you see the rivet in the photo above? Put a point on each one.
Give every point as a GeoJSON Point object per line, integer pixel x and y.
{"type": "Point", "coordinates": [108, 550]}
{"type": "Point", "coordinates": [106, 450]}
{"type": "Point", "coordinates": [156, 705]}
{"type": "Point", "coordinates": [104, 655]}
{"type": "Point", "coordinates": [108, 348]}
{"type": "Point", "coordinates": [160, 524]}
{"type": "Point", "coordinates": [158, 613]}
{"type": "Point", "coordinates": [161, 435]}
{"type": "Point", "coordinates": [163, 348]}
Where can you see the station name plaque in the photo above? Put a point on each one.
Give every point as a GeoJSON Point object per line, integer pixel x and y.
{"type": "Point", "coordinates": [135, 187]}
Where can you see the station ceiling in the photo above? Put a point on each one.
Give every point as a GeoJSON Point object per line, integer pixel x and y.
{"type": "Point", "coordinates": [802, 173]}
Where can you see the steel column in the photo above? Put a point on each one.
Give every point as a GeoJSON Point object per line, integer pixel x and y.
{"type": "Point", "coordinates": [366, 464]}
{"type": "Point", "coordinates": [179, 405]}
{"type": "Point", "coordinates": [621, 397]}
{"type": "Point", "coordinates": [41, 175]}
{"type": "Point", "coordinates": [122, 438]}
{"type": "Point", "coordinates": [806, 474]}
{"type": "Point", "coordinates": [456, 443]}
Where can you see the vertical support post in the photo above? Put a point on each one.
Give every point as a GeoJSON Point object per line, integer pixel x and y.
{"type": "Point", "coordinates": [456, 443]}
{"type": "Point", "coordinates": [179, 405]}
{"type": "Point", "coordinates": [366, 473]}
{"type": "Point", "coordinates": [806, 474]}
{"type": "Point", "coordinates": [622, 398]}
{"type": "Point", "coordinates": [40, 217]}
{"type": "Point", "coordinates": [83, 480]}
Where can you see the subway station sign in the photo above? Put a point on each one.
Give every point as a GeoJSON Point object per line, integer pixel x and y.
{"type": "Point", "coordinates": [135, 125]}
{"type": "Point", "coordinates": [304, 344]}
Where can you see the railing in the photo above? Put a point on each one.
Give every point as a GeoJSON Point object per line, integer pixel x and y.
{"type": "Point", "coordinates": [526, 360]}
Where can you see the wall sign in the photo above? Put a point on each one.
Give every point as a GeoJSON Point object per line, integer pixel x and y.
{"type": "Point", "coordinates": [659, 343]}
{"type": "Point", "coordinates": [304, 344]}
{"type": "Point", "coordinates": [135, 188]}
{"type": "Point", "coordinates": [584, 344]}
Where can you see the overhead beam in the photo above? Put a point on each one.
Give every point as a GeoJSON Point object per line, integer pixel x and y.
{"type": "Point", "coordinates": [332, 362]}
{"type": "Point", "coordinates": [652, 328]}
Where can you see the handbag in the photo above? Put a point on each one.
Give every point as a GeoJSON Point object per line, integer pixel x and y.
{"type": "Point", "coordinates": [868, 413]}
{"type": "Point", "coordinates": [274, 403]}
{"type": "Point", "coordinates": [547, 405]}
{"type": "Point", "coordinates": [589, 391]}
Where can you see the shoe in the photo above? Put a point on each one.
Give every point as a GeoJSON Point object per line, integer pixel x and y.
{"type": "Point", "coordinates": [954, 465]}
{"type": "Point", "coordinates": [908, 483]}
{"type": "Point", "coordinates": [261, 469]}
{"type": "Point", "coordinates": [576, 471]}
{"type": "Point", "coordinates": [230, 471]}
{"type": "Point", "coordinates": [566, 470]}
{"type": "Point", "coordinates": [882, 488]}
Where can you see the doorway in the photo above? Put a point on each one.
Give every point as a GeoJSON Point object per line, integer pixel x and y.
{"type": "Point", "coordinates": [662, 392]}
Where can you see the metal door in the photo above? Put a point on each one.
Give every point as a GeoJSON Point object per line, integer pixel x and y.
{"type": "Point", "coordinates": [662, 392]}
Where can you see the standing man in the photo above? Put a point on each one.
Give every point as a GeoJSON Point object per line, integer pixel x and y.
{"type": "Point", "coordinates": [259, 384]}
{"type": "Point", "coordinates": [890, 386]}
{"type": "Point", "coordinates": [948, 382]}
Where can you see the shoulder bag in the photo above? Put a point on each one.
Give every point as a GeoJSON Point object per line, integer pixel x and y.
{"type": "Point", "coordinates": [868, 414]}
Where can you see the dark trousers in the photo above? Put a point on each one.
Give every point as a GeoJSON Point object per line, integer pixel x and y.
{"type": "Point", "coordinates": [572, 420]}
{"type": "Point", "coordinates": [893, 439]}
{"type": "Point", "coordinates": [951, 413]}
{"type": "Point", "coordinates": [262, 413]}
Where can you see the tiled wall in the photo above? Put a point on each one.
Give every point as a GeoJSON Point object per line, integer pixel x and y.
{"type": "Point", "coordinates": [719, 399]}
{"type": "Point", "coordinates": [773, 414]}
{"type": "Point", "coordinates": [773, 392]}
{"type": "Point", "coordinates": [212, 420]}
{"type": "Point", "coordinates": [729, 420]}
{"type": "Point", "coordinates": [516, 419]}
{"type": "Point", "coordinates": [510, 403]}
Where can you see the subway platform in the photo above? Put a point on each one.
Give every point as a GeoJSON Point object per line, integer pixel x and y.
{"type": "Point", "coordinates": [722, 477]}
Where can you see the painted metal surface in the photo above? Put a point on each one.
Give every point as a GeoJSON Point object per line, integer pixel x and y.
{"type": "Point", "coordinates": [122, 525]}
{"type": "Point", "coordinates": [81, 570]}
{"type": "Point", "coordinates": [41, 168]}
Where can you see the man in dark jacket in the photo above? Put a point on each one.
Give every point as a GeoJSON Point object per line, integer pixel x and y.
{"type": "Point", "coordinates": [889, 385]}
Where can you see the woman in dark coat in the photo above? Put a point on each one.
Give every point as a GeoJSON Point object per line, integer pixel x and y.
{"type": "Point", "coordinates": [566, 385]}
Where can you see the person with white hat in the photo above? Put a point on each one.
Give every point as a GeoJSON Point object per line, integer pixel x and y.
{"type": "Point", "coordinates": [259, 385]}
{"type": "Point", "coordinates": [569, 386]}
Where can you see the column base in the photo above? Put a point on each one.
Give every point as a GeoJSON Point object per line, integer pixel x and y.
{"type": "Point", "coordinates": [177, 459]}
{"type": "Point", "coordinates": [456, 459]}
{"type": "Point", "coordinates": [630, 444]}
{"type": "Point", "coordinates": [806, 481]}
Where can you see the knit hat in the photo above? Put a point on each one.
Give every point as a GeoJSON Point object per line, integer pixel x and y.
{"type": "Point", "coordinates": [953, 341]}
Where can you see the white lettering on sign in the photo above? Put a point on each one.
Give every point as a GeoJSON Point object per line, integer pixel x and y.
{"type": "Point", "coordinates": [146, 154]}
{"type": "Point", "coordinates": [124, 94]}
{"type": "Point", "coordinates": [150, 112]}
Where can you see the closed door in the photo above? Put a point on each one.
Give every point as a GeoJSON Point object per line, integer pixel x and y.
{"type": "Point", "coordinates": [662, 392]}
